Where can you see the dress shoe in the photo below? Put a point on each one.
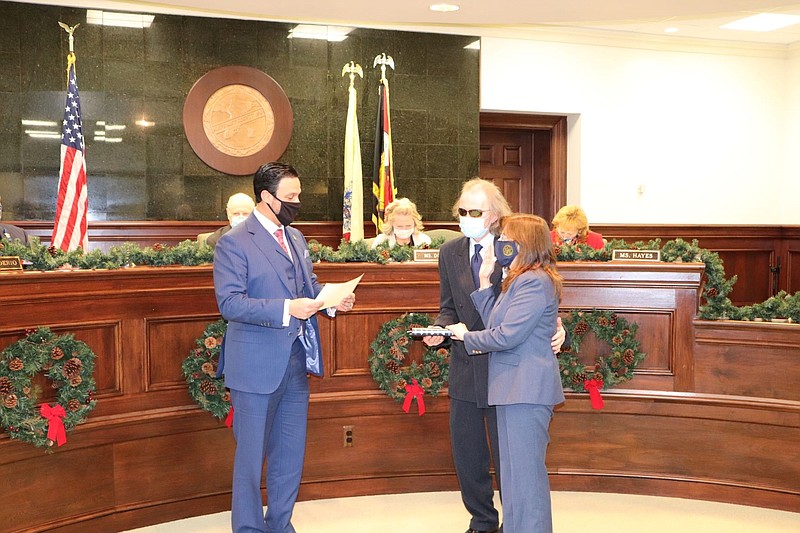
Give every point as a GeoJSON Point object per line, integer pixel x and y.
{"type": "Point", "coordinates": [495, 530]}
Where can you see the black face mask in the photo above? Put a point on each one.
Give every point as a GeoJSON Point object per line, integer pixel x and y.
{"type": "Point", "coordinates": [287, 213]}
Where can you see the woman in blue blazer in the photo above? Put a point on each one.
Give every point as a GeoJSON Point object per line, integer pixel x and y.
{"type": "Point", "coordinates": [524, 380]}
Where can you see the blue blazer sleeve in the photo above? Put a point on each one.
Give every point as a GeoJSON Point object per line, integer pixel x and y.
{"type": "Point", "coordinates": [512, 319]}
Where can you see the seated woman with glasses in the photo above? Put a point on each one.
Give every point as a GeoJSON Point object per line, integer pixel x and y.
{"type": "Point", "coordinates": [570, 226]}
{"type": "Point", "coordinates": [402, 225]}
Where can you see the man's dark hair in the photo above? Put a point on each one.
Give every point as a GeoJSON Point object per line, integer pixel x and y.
{"type": "Point", "coordinates": [269, 175]}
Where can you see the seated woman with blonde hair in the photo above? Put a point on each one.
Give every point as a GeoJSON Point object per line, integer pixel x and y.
{"type": "Point", "coordinates": [570, 226]}
{"type": "Point", "coordinates": [402, 225]}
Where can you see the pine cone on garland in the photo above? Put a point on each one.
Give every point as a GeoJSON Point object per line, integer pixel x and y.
{"type": "Point", "coordinates": [56, 353]}
{"type": "Point", "coordinates": [208, 388]}
{"type": "Point", "coordinates": [75, 381]}
{"type": "Point", "coordinates": [393, 366]}
{"type": "Point", "coordinates": [395, 352]}
{"type": "Point", "coordinates": [434, 370]}
{"type": "Point", "coordinates": [71, 368]}
{"type": "Point", "coordinates": [73, 405]}
{"type": "Point", "coordinates": [5, 386]}
{"type": "Point", "coordinates": [581, 328]}
{"type": "Point", "coordinates": [712, 292]}
{"type": "Point", "coordinates": [16, 364]}
{"type": "Point", "coordinates": [158, 247]}
{"type": "Point", "coordinates": [10, 401]}
{"type": "Point", "coordinates": [628, 356]}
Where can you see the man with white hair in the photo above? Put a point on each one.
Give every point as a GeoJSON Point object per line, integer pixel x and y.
{"type": "Point", "coordinates": [240, 205]}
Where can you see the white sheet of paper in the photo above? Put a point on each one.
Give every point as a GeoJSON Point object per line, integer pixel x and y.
{"type": "Point", "coordinates": [333, 293]}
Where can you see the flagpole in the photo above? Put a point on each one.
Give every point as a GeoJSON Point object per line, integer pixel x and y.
{"type": "Point", "coordinates": [353, 201]}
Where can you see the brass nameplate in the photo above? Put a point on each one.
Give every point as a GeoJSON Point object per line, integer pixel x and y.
{"type": "Point", "coordinates": [10, 262]}
{"type": "Point", "coordinates": [636, 255]}
{"type": "Point", "coordinates": [427, 255]}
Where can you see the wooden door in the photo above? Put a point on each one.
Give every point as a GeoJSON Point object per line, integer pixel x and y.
{"type": "Point", "coordinates": [525, 156]}
{"type": "Point", "coordinates": [506, 158]}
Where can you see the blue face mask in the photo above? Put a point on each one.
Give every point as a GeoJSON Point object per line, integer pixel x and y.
{"type": "Point", "coordinates": [505, 252]}
{"type": "Point", "coordinates": [472, 228]}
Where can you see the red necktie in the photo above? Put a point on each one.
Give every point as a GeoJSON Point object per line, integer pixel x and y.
{"type": "Point", "coordinates": [279, 237]}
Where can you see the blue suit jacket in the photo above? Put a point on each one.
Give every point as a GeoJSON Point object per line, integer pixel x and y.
{"type": "Point", "coordinates": [519, 325]}
{"type": "Point", "coordinates": [251, 287]}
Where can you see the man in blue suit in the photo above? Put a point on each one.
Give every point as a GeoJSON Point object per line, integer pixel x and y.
{"type": "Point", "coordinates": [265, 288]}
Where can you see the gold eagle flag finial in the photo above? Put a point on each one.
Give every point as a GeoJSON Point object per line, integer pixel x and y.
{"type": "Point", "coordinates": [70, 30]}
{"type": "Point", "coordinates": [383, 60]}
{"type": "Point", "coordinates": [352, 68]}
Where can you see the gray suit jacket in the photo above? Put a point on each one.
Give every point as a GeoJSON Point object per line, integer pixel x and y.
{"type": "Point", "coordinates": [469, 376]}
{"type": "Point", "coordinates": [10, 232]}
{"type": "Point", "coordinates": [251, 285]}
{"type": "Point", "coordinates": [519, 325]}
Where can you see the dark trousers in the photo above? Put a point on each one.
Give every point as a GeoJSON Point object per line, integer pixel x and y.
{"type": "Point", "coordinates": [473, 454]}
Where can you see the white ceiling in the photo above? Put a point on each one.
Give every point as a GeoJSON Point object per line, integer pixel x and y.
{"type": "Point", "coordinates": [696, 19]}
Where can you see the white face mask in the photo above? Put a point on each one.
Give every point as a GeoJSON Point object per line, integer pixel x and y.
{"type": "Point", "coordinates": [472, 228]}
{"type": "Point", "coordinates": [238, 219]}
{"type": "Point", "coordinates": [403, 233]}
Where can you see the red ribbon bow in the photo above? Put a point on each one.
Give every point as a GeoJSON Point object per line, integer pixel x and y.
{"type": "Point", "coordinates": [593, 386]}
{"type": "Point", "coordinates": [229, 418]}
{"type": "Point", "coordinates": [414, 391]}
{"type": "Point", "coordinates": [55, 429]}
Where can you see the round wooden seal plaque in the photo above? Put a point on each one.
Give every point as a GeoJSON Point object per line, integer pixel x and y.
{"type": "Point", "coordinates": [236, 119]}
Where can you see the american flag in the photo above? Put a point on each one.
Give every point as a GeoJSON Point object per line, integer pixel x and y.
{"type": "Point", "coordinates": [69, 231]}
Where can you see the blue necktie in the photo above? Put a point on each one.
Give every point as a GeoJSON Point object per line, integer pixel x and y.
{"type": "Point", "coordinates": [476, 262]}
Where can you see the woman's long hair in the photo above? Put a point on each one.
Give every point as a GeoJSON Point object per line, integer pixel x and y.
{"type": "Point", "coordinates": [532, 236]}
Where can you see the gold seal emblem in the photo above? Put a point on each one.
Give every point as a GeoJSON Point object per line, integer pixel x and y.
{"type": "Point", "coordinates": [508, 250]}
{"type": "Point", "coordinates": [238, 120]}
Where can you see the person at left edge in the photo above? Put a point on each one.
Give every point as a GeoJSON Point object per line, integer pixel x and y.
{"type": "Point", "coordinates": [265, 288]}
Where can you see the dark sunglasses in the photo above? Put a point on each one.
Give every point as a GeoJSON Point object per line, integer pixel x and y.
{"type": "Point", "coordinates": [474, 213]}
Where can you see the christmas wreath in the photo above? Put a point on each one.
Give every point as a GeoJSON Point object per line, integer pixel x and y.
{"type": "Point", "coordinates": [200, 370]}
{"type": "Point", "coordinates": [68, 364]}
{"type": "Point", "coordinates": [609, 371]}
{"type": "Point", "coordinates": [389, 350]}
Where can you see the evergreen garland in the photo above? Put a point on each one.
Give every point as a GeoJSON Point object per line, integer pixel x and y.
{"type": "Point", "coordinates": [66, 362]}
{"type": "Point", "coordinates": [715, 302]}
{"type": "Point", "coordinates": [200, 370]}
{"type": "Point", "coordinates": [388, 353]}
{"type": "Point", "coordinates": [610, 328]}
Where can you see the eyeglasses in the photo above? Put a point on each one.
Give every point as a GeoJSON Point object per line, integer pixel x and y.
{"type": "Point", "coordinates": [474, 213]}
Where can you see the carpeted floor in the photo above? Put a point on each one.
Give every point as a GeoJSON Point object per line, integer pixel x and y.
{"type": "Point", "coordinates": [573, 512]}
